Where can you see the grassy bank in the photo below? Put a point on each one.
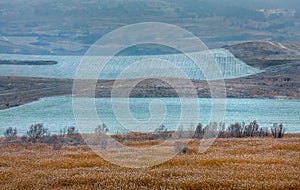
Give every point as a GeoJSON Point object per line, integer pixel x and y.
{"type": "Point", "coordinates": [241, 163]}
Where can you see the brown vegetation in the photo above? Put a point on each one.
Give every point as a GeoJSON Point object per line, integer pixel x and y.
{"type": "Point", "coordinates": [230, 163]}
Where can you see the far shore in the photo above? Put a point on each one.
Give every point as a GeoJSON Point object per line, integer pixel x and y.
{"type": "Point", "coordinates": [15, 91]}
{"type": "Point", "coordinates": [27, 62]}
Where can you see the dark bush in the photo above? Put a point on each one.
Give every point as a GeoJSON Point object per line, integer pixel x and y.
{"type": "Point", "coordinates": [277, 130]}
{"type": "Point", "coordinates": [235, 130]}
{"type": "Point", "coordinates": [199, 131]}
{"type": "Point", "coordinates": [36, 132]}
{"type": "Point", "coordinates": [71, 131]}
{"type": "Point", "coordinates": [250, 130]}
{"type": "Point", "coordinates": [161, 132]}
{"type": "Point", "coordinates": [239, 130]}
{"type": "Point", "coordinates": [24, 139]}
{"type": "Point", "coordinates": [10, 134]}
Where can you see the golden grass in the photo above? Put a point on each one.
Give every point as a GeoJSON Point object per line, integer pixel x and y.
{"type": "Point", "coordinates": [249, 163]}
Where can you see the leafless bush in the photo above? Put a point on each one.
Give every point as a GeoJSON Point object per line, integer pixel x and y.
{"type": "Point", "coordinates": [235, 129]}
{"type": "Point", "coordinates": [161, 132]}
{"type": "Point", "coordinates": [101, 132]}
{"type": "Point", "coordinates": [277, 130]}
{"type": "Point", "coordinates": [263, 132]}
{"type": "Point", "coordinates": [212, 130]}
{"type": "Point", "coordinates": [250, 130]}
{"type": "Point", "coordinates": [36, 132]}
{"type": "Point", "coordinates": [71, 131]}
{"type": "Point", "coordinates": [199, 131]}
{"type": "Point", "coordinates": [56, 142]}
{"type": "Point", "coordinates": [10, 134]}
{"type": "Point", "coordinates": [240, 130]}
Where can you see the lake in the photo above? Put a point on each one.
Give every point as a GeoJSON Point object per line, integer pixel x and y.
{"type": "Point", "coordinates": [56, 113]}
{"type": "Point", "coordinates": [146, 66]}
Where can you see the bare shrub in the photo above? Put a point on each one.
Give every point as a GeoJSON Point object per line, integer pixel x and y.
{"type": "Point", "coordinates": [235, 129]}
{"type": "Point", "coordinates": [56, 142]}
{"type": "Point", "coordinates": [250, 130]}
{"type": "Point", "coordinates": [10, 134]}
{"type": "Point", "coordinates": [101, 132]}
{"type": "Point", "coordinates": [62, 132]}
{"type": "Point", "coordinates": [199, 131]}
{"type": "Point", "coordinates": [24, 139]}
{"type": "Point", "coordinates": [161, 132]}
{"type": "Point", "coordinates": [263, 132]}
{"type": "Point", "coordinates": [36, 132]}
{"type": "Point", "coordinates": [240, 130]}
{"type": "Point", "coordinates": [211, 130]}
{"type": "Point", "coordinates": [277, 130]}
{"type": "Point", "coordinates": [71, 131]}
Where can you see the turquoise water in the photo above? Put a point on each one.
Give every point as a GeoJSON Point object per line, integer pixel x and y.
{"type": "Point", "coordinates": [152, 66]}
{"type": "Point", "coordinates": [57, 113]}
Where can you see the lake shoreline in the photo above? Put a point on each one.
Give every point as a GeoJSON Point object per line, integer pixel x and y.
{"type": "Point", "coordinates": [17, 91]}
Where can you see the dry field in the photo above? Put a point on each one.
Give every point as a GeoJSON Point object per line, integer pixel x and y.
{"type": "Point", "coordinates": [249, 163]}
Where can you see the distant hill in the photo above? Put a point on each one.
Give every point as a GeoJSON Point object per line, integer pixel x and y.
{"type": "Point", "coordinates": [265, 54]}
{"type": "Point", "coordinates": [64, 27]}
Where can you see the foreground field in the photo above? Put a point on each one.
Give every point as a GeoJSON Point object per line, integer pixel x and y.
{"type": "Point", "coordinates": [249, 163]}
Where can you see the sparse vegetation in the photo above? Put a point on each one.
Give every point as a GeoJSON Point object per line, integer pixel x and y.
{"type": "Point", "coordinates": [162, 132]}
{"type": "Point", "coordinates": [101, 132]}
{"type": "Point", "coordinates": [239, 130]}
{"type": "Point", "coordinates": [10, 133]}
{"type": "Point", "coordinates": [101, 129]}
{"type": "Point", "coordinates": [71, 131]}
{"type": "Point", "coordinates": [230, 163]}
{"type": "Point", "coordinates": [71, 165]}
{"type": "Point", "coordinates": [69, 136]}
{"type": "Point", "coordinates": [198, 131]}
{"type": "Point", "coordinates": [213, 129]}
{"type": "Point", "coordinates": [36, 132]}
{"type": "Point", "coordinates": [278, 130]}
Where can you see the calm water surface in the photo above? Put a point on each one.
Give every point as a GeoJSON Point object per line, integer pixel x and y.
{"type": "Point", "coordinates": [56, 113]}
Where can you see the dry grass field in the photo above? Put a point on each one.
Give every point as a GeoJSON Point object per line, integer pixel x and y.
{"type": "Point", "coordinates": [247, 163]}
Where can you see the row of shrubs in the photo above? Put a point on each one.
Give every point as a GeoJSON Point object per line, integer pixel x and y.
{"type": "Point", "coordinates": [38, 133]}
{"type": "Point", "coordinates": [236, 130]}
